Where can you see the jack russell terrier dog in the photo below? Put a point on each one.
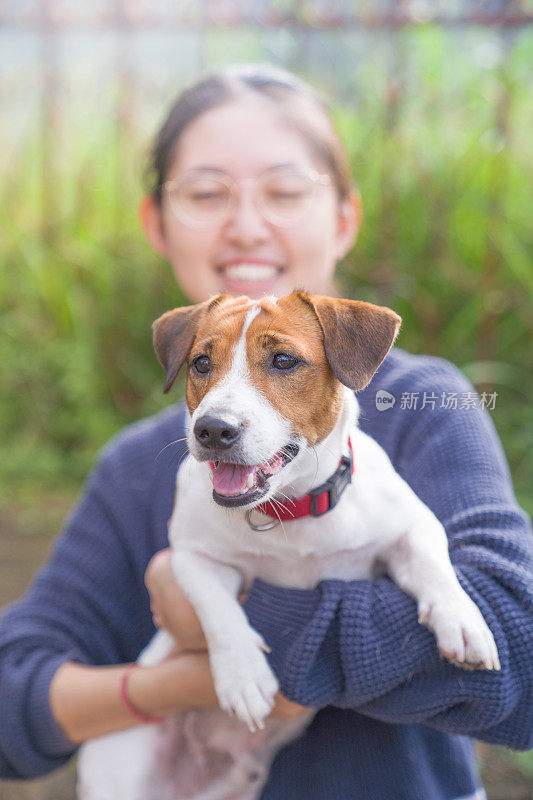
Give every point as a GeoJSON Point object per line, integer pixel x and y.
{"type": "Point", "coordinates": [280, 485]}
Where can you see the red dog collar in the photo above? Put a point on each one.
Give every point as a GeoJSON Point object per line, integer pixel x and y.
{"type": "Point", "coordinates": [319, 500]}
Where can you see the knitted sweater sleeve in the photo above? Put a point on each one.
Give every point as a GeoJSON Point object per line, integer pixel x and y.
{"type": "Point", "coordinates": [359, 645]}
{"type": "Point", "coordinates": [87, 605]}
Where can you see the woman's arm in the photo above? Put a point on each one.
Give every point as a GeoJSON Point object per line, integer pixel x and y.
{"type": "Point", "coordinates": [88, 605]}
{"type": "Point", "coordinates": [86, 701]}
{"type": "Point", "coordinates": [359, 644]}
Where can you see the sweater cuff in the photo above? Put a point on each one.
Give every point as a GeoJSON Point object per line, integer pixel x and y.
{"type": "Point", "coordinates": [49, 739]}
{"type": "Point", "coordinates": [280, 614]}
{"type": "Point", "coordinates": [294, 624]}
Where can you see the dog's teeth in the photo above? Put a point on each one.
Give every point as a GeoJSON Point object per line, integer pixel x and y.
{"type": "Point", "coordinates": [250, 481]}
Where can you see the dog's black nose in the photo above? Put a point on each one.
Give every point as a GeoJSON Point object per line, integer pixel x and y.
{"type": "Point", "coordinates": [216, 433]}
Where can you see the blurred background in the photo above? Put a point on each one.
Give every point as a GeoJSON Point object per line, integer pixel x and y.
{"type": "Point", "coordinates": [434, 102]}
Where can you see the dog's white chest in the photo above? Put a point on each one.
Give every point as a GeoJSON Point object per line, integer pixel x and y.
{"type": "Point", "coordinates": [341, 544]}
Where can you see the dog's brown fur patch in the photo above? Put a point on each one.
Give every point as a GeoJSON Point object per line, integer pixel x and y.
{"type": "Point", "coordinates": [310, 396]}
{"type": "Point", "coordinates": [217, 338]}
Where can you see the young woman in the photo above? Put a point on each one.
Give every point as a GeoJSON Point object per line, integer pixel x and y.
{"type": "Point", "coordinates": [252, 195]}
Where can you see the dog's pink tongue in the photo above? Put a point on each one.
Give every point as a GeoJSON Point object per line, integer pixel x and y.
{"type": "Point", "coordinates": [231, 479]}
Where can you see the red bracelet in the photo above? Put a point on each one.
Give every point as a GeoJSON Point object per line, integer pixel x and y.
{"type": "Point", "coordinates": [124, 696]}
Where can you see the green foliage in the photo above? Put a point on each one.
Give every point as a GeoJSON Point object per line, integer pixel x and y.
{"type": "Point", "coordinates": [445, 172]}
{"type": "Point", "coordinates": [523, 761]}
{"type": "Point", "coordinates": [79, 290]}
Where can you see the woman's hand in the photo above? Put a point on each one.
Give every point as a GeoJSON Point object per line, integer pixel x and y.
{"type": "Point", "coordinates": [173, 612]}
{"type": "Point", "coordinates": [86, 701]}
{"type": "Point", "coordinates": [170, 608]}
{"type": "Point", "coordinates": [183, 681]}
{"type": "Point", "coordinates": [286, 709]}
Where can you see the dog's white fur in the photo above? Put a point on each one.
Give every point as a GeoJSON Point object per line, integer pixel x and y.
{"type": "Point", "coordinates": [379, 525]}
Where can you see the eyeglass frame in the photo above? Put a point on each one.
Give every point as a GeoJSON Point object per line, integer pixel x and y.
{"type": "Point", "coordinates": [318, 179]}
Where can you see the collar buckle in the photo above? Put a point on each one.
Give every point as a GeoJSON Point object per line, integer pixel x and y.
{"type": "Point", "coordinates": [334, 486]}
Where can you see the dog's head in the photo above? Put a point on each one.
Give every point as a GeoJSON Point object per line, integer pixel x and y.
{"type": "Point", "coordinates": [264, 379]}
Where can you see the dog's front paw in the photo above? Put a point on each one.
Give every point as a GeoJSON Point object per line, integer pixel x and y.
{"type": "Point", "coordinates": [463, 636]}
{"type": "Point", "coordinates": [244, 683]}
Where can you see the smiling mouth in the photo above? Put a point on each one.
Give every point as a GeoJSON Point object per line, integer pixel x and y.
{"type": "Point", "coordinates": [250, 272]}
{"type": "Point", "coordinates": [237, 485]}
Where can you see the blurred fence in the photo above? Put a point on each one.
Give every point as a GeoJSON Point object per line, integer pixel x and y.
{"type": "Point", "coordinates": [129, 57]}
{"type": "Point", "coordinates": [365, 13]}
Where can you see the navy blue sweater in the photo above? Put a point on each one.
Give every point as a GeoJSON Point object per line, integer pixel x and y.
{"type": "Point", "coordinates": [395, 718]}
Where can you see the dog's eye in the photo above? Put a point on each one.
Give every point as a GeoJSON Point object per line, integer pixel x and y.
{"type": "Point", "coordinates": [201, 364]}
{"type": "Point", "coordinates": [284, 361]}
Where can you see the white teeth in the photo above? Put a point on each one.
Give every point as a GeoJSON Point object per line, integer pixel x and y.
{"type": "Point", "coordinates": [250, 481]}
{"type": "Point", "coordinates": [251, 272]}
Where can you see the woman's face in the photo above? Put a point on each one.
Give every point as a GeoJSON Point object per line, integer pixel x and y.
{"type": "Point", "coordinates": [244, 253]}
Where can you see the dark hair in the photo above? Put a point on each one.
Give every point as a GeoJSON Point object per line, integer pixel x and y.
{"type": "Point", "coordinates": [301, 106]}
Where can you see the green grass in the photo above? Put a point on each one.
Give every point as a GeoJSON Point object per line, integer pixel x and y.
{"type": "Point", "coordinates": [445, 169]}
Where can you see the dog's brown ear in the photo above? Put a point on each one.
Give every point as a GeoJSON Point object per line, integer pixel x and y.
{"type": "Point", "coordinates": [173, 335]}
{"type": "Point", "coordinates": [357, 336]}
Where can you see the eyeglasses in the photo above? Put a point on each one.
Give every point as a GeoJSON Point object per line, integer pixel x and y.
{"type": "Point", "coordinates": [204, 199]}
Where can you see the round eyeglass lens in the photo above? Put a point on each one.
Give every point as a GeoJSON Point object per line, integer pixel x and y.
{"type": "Point", "coordinates": [201, 201]}
{"type": "Point", "coordinates": [284, 198]}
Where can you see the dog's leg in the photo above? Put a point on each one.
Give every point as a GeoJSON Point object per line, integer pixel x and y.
{"type": "Point", "coordinates": [244, 683]}
{"type": "Point", "coordinates": [420, 564]}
